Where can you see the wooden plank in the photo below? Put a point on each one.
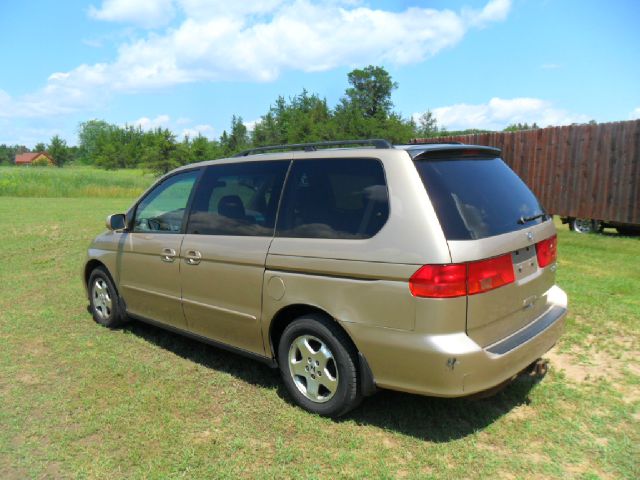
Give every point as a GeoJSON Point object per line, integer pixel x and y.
{"type": "Point", "coordinates": [594, 154]}
{"type": "Point", "coordinates": [634, 174]}
{"type": "Point", "coordinates": [617, 168]}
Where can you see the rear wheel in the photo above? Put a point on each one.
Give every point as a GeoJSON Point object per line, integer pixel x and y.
{"type": "Point", "coordinates": [318, 365]}
{"type": "Point", "coordinates": [585, 225]}
{"type": "Point", "coordinates": [104, 301]}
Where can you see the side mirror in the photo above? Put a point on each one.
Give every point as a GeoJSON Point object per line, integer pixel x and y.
{"type": "Point", "coordinates": [117, 221]}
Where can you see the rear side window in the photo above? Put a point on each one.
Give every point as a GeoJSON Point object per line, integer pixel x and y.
{"type": "Point", "coordinates": [238, 199]}
{"type": "Point", "coordinates": [336, 198]}
{"type": "Point", "coordinates": [478, 198]}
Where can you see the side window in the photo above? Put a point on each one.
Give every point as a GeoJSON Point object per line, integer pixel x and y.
{"type": "Point", "coordinates": [163, 209]}
{"type": "Point", "coordinates": [238, 199]}
{"type": "Point", "coordinates": [337, 198]}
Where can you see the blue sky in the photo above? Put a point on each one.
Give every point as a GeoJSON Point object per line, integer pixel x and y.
{"type": "Point", "coordinates": [189, 65]}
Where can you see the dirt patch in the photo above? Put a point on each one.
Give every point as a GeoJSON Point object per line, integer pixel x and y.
{"type": "Point", "coordinates": [35, 347]}
{"type": "Point", "coordinates": [388, 442]}
{"type": "Point", "coordinates": [536, 457]}
{"type": "Point", "coordinates": [522, 412]}
{"type": "Point", "coordinates": [91, 440]}
{"type": "Point", "coordinates": [598, 366]}
{"type": "Point", "coordinates": [582, 470]}
{"type": "Point", "coordinates": [53, 470]}
{"type": "Point", "coordinates": [630, 394]}
{"type": "Point", "coordinates": [603, 442]}
{"type": "Point", "coordinates": [205, 436]}
{"type": "Point", "coordinates": [13, 473]}
{"type": "Point", "coordinates": [27, 379]}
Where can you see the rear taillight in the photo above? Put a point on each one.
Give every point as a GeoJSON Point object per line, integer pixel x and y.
{"type": "Point", "coordinates": [456, 280]}
{"type": "Point", "coordinates": [439, 281]}
{"type": "Point", "coordinates": [547, 251]}
{"type": "Point", "coordinates": [489, 274]}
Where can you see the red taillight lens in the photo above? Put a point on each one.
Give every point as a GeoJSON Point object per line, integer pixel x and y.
{"type": "Point", "coordinates": [456, 280]}
{"type": "Point", "coordinates": [489, 274]}
{"type": "Point", "coordinates": [547, 251]}
{"type": "Point", "coordinates": [439, 281]}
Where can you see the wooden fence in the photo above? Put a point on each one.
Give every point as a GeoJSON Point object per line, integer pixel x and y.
{"type": "Point", "coordinates": [590, 171]}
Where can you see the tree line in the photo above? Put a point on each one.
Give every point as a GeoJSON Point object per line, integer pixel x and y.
{"type": "Point", "coordinates": [364, 111]}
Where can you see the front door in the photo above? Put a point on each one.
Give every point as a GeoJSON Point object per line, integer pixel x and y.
{"type": "Point", "coordinates": [149, 266]}
{"type": "Point", "coordinates": [224, 251]}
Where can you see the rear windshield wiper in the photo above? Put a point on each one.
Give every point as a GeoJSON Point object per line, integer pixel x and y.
{"type": "Point", "coordinates": [524, 220]}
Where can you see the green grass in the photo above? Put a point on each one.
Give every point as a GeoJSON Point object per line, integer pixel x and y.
{"type": "Point", "coordinates": [81, 401]}
{"type": "Point", "coordinates": [72, 182]}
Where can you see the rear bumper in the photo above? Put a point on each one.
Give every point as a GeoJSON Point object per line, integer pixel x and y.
{"type": "Point", "coordinates": [453, 365]}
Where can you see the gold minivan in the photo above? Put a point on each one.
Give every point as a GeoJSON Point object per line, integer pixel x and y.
{"type": "Point", "coordinates": [422, 268]}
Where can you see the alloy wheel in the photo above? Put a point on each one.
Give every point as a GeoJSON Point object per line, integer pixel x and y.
{"type": "Point", "coordinates": [313, 368]}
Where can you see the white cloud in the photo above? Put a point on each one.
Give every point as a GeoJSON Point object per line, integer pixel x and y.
{"type": "Point", "coordinates": [250, 41]}
{"type": "Point", "coordinates": [635, 114]}
{"type": "Point", "coordinates": [208, 9]}
{"type": "Point", "coordinates": [53, 100]}
{"type": "Point", "coordinates": [494, 11]}
{"type": "Point", "coordinates": [499, 113]}
{"type": "Point", "coordinates": [205, 130]}
{"type": "Point", "coordinates": [145, 13]}
{"type": "Point", "coordinates": [220, 40]}
{"type": "Point", "coordinates": [19, 133]}
{"type": "Point", "coordinates": [147, 123]}
{"type": "Point", "coordinates": [251, 125]}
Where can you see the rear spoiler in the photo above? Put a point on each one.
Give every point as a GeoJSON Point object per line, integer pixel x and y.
{"type": "Point", "coordinates": [439, 151]}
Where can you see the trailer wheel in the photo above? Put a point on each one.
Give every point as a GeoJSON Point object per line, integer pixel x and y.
{"type": "Point", "coordinates": [585, 225]}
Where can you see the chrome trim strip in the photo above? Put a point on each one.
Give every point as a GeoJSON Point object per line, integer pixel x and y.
{"type": "Point", "coordinates": [151, 292]}
{"type": "Point", "coordinates": [220, 309]}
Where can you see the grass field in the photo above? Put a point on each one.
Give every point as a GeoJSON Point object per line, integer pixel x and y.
{"type": "Point", "coordinates": [72, 182]}
{"type": "Point", "coordinates": [81, 401]}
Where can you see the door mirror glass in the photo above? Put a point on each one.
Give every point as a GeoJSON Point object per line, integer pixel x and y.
{"type": "Point", "coordinates": [116, 221]}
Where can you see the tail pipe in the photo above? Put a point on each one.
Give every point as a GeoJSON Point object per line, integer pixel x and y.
{"type": "Point", "coordinates": [539, 368]}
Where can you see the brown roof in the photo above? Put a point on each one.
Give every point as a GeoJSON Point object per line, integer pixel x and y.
{"type": "Point", "coordinates": [27, 158]}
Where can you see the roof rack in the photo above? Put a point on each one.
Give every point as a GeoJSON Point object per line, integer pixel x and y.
{"type": "Point", "coordinates": [312, 147]}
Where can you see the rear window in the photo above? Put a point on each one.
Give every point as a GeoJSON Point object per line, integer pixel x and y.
{"type": "Point", "coordinates": [478, 197]}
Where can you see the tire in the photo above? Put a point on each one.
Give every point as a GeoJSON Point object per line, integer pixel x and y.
{"type": "Point", "coordinates": [629, 231]}
{"type": "Point", "coordinates": [585, 225]}
{"type": "Point", "coordinates": [104, 302]}
{"type": "Point", "coordinates": [318, 364]}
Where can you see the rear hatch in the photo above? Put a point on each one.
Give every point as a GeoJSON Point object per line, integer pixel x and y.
{"type": "Point", "coordinates": [492, 222]}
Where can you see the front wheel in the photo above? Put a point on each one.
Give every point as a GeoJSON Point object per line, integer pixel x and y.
{"type": "Point", "coordinates": [585, 225]}
{"type": "Point", "coordinates": [318, 365]}
{"type": "Point", "coordinates": [104, 302]}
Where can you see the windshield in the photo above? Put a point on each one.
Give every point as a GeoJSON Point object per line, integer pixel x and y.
{"type": "Point", "coordinates": [478, 197]}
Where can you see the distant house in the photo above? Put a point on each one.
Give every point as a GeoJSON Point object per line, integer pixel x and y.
{"type": "Point", "coordinates": [37, 158]}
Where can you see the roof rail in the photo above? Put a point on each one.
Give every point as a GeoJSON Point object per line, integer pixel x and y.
{"type": "Point", "coordinates": [312, 147]}
{"type": "Point", "coordinates": [428, 141]}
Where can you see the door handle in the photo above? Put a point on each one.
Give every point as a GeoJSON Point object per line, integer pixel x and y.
{"type": "Point", "coordinates": [193, 257]}
{"type": "Point", "coordinates": [168, 255]}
